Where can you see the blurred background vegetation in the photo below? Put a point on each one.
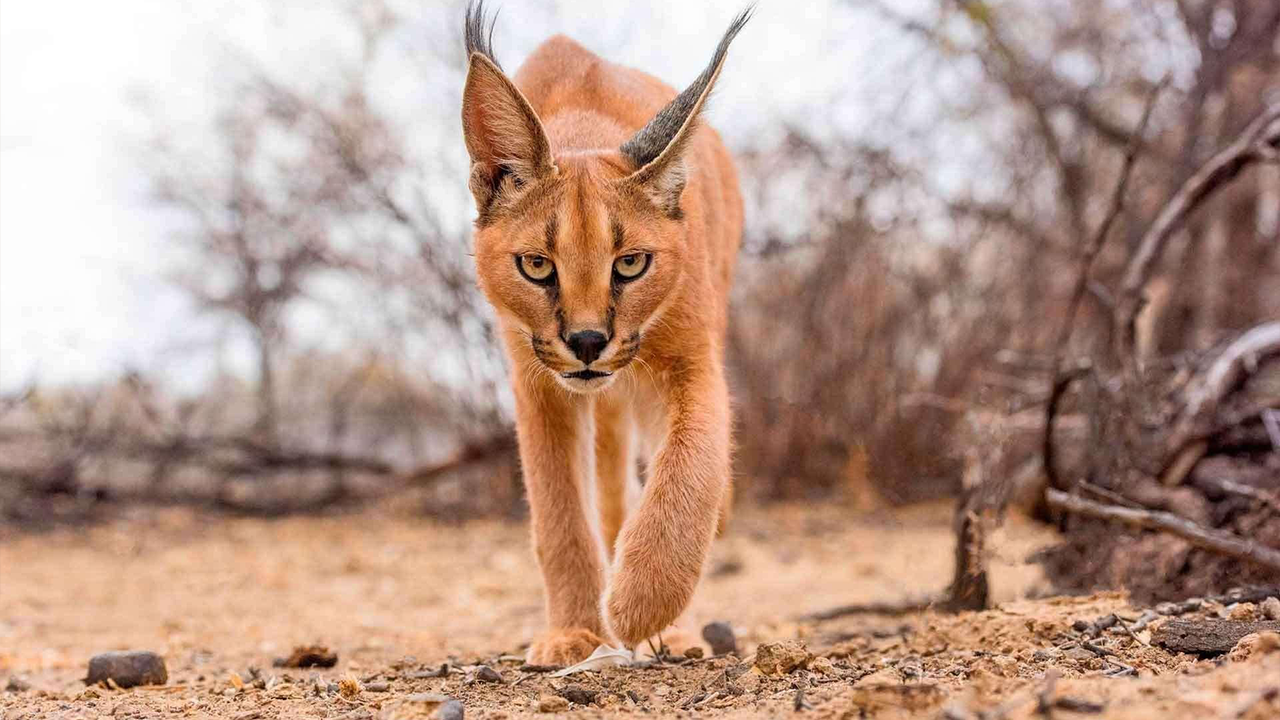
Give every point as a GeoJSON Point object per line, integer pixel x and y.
{"type": "Point", "coordinates": [914, 235]}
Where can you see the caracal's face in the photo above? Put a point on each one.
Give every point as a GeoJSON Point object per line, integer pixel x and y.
{"type": "Point", "coordinates": [581, 266]}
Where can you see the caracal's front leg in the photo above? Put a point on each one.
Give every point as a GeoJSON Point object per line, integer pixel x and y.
{"type": "Point", "coordinates": [556, 455]}
{"type": "Point", "coordinates": [615, 464]}
{"type": "Point", "coordinates": [662, 548]}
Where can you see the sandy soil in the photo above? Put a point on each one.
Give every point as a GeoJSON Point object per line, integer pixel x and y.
{"type": "Point", "coordinates": [396, 596]}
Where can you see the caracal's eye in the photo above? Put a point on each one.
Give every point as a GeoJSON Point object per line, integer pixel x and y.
{"type": "Point", "coordinates": [537, 268]}
{"type": "Point", "coordinates": [630, 267]}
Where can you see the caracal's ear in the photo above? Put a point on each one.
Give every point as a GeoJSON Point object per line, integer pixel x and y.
{"type": "Point", "coordinates": [504, 136]}
{"type": "Point", "coordinates": [658, 149]}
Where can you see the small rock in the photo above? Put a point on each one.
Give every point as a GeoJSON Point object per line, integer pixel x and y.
{"type": "Point", "coordinates": [1079, 654]}
{"type": "Point", "coordinates": [127, 669]}
{"type": "Point", "coordinates": [442, 671]}
{"type": "Point", "coordinates": [750, 681]}
{"type": "Point", "coordinates": [781, 658]}
{"type": "Point", "coordinates": [484, 673]}
{"type": "Point", "coordinates": [822, 666]}
{"type": "Point", "coordinates": [404, 663]}
{"type": "Point", "coordinates": [1243, 612]}
{"type": "Point", "coordinates": [17, 684]}
{"type": "Point", "coordinates": [305, 656]}
{"type": "Point", "coordinates": [378, 687]}
{"type": "Point", "coordinates": [451, 710]}
{"type": "Point", "coordinates": [552, 704]}
{"type": "Point", "coordinates": [1254, 644]}
{"type": "Point", "coordinates": [1046, 654]}
{"type": "Point", "coordinates": [693, 652]}
{"type": "Point", "coordinates": [1271, 608]}
{"type": "Point", "coordinates": [720, 637]}
{"type": "Point", "coordinates": [579, 695]}
{"type": "Point", "coordinates": [725, 568]}
{"type": "Point", "coordinates": [422, 706]}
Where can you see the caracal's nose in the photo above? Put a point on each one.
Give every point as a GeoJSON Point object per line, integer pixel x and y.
{"type": "Point", "coordinates": [587, 345]}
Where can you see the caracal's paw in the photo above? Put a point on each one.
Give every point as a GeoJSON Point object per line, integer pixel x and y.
{"type": "Point", "coordinates": [563, 647]}
{"type": "Point", "coordinates": [642, 600]}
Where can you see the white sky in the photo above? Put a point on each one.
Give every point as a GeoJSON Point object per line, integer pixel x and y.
{"type": "Point", "coordinates": [82, 246]}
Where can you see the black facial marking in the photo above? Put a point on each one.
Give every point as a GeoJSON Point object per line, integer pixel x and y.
{"type": "Point", "coordinates": [551, 234]}
{"type": "Point", "coordinates": [609, 316]}
{"type": "Point", "coordinates": [553, 297]}
{"type": "Point", "coordinates": [618, 235]}
{"type": "Point", "coordinates": [560, 321]}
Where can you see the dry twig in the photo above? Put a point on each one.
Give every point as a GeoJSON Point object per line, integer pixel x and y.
{"type": "Point", "coordinates": [1215, 540]}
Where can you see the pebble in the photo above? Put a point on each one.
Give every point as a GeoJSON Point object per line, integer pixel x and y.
{"type": "Point", "coordinates": [451, 710]}
{"type": "Point", "coordinates": [1079, 654]}
{"type": "Point", "coordinates": [1254, 644]}
{"type": "Point", "coordinates": [484, 673]}
{"type": "Point", "coordinates": [422, 706]}
{"type": "Point", "coordinates": [1243, 611]}
{"type": "Point", "coordinates": [823, 666]}
{"type": "Point", "coordinates": [693, 652]}
{"type": "Point", "coordinates": [579, 695]}
{"type": "Point", "coordinates": [552, 704]}
{"type": "Point", "coordinates": [780, 658]}
{"type": "Point", "coordinates": [17, 684]}
{"type": "Point", "coordinates": [720, 637]}
{"type": "Point", "coordinates": [749, 682]}
{"type": "Point", "coordinates": [127, 669]}
{"type": "Point", "coordinates": [1271, 608]}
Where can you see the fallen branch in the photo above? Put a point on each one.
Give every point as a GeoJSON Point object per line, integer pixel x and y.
{"type": "Point", "coordinates": [890, 609]}
{"type": "Point", "coordinates": [1208, 636]}
{"type": "Point", "coordinates": [470, 454]}
{"type": "Point", "coordinates": [1218, 541]}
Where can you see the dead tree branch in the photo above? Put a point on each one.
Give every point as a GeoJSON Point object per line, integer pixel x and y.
{"type": "Point", "coordinates": [1259, 142]}
{"type": "Point", "coordinates": [1186, 444]}
{"type": "Point", "coordinates": [1062, 379]}
{"type": "Point", "coordinates": [1217, 541]}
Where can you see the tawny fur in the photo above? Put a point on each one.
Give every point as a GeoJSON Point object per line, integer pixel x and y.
{"type": "Point", "coordinates": [551, 179]}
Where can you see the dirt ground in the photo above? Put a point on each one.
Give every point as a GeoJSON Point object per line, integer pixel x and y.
{"type": "Point", "coordinates": [396, 596]}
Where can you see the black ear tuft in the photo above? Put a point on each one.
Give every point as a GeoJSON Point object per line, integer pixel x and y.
{"type": "Point", "coordinates": [479, 31]}
{"type": "Point", "coordinates": [663, 130]}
